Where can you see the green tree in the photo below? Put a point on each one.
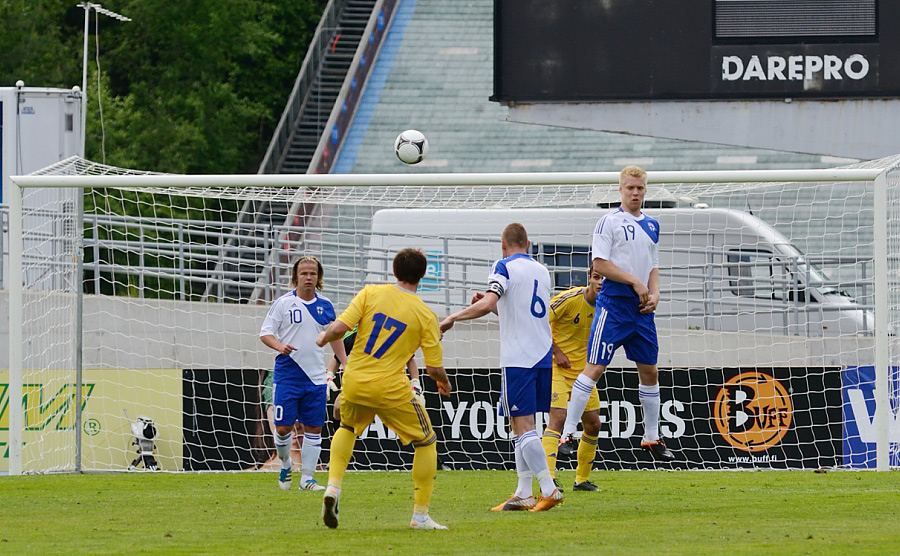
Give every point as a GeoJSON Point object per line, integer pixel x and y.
{"type": "Point", "coordinates": [188, 87]}
{"type": "Point", "coordinates": [202, 82]}
{"type": "Point", "coordinates": [193, 87]}
{"type": "Point", "coordinates": [41, 43]}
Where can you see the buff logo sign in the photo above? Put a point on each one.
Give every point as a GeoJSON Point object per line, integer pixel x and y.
{"type": "Point", "coordinates": [753, 411]}
{"type": "Point", "coordinates": [795, 68]}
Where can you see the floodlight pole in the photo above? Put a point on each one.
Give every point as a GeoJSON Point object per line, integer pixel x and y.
{"type": "Point", "coordinates": [79, 231]}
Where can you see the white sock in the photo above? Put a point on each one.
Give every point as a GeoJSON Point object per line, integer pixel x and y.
{"type": "Point", "coordinates": [524, 487]}
{"type": "Point", "coordinates": [581, 394]}
{"type": "Point", "coordinates": [649, 396]}
{"type": "Point", "coordinates": [534, 456]}
{"type": "Point", "coordinates": [283, 449]}
{"type": "Point", "coordinates": [312, 446]}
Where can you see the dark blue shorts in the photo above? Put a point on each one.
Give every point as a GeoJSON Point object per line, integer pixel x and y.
{"type": "Point", "coordinates": [300, 402]}
{"type": "Point", "coordinates": [618, 321]}
{"type": "Point", "coordinates": [525, 391]}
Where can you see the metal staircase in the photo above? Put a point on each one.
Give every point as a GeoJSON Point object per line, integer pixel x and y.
{"type": "Point", "coordinates": [261, 225]}
{"type": "Point", "coordinates": [335, 62]}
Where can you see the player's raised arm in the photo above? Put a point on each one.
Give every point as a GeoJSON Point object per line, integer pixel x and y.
{"type": "Point", "coordinates": [477, 296]}
{"type": "Point", "coordinates": [486, 304]}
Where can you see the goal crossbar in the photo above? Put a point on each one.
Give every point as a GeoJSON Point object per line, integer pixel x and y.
{"type": "Point", "coordinates": [438, 179]}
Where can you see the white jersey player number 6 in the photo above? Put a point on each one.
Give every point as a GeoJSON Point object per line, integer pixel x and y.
{"type": "Point", "coordinates": [538, 308]}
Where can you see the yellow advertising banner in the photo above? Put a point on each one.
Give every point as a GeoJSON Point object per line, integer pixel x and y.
{"type": "Point", "coordinates": [108, 395]}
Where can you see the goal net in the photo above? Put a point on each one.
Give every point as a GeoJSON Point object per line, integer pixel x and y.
{"type": "Point", "coordinates": [778, 322]}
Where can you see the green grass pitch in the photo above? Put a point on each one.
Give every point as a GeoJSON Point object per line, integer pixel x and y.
{"type": "Point", "coordinates": [642, 512]}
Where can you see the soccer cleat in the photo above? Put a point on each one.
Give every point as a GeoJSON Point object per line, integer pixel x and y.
{"type": "Point", "coordinates": [330, 507]}
{"type": "Point", "coordinates": [311, 484]}
{"type": "Point", "coordinates": [568, 446]}
{"type": "Point", "coordinates": [557, 485]}
{"type": "Point", "coordinates": [427, 524]}
{"type": "Point", "coordinates": [284, 479]}
{"type": "Point", "coordinates": [658, 450]}
{"type": "Point", "coordinates": [586, 486]}
{"type": "Point", "coordinates": [515, 504]}
{"type": "Point", "coordinates": [547, 502]}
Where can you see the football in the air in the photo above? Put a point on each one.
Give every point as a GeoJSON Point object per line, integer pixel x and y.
{"type": "Point", "coordinates": [411, 146]}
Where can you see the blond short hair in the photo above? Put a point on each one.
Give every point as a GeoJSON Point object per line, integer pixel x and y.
{"type": "Point", "coordinates": [634, 171]}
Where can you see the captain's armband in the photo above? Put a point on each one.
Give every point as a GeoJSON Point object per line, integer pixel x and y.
{"type": "Point", "coordinates": [495, 288]}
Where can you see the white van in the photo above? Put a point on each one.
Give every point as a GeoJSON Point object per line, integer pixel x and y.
{"type": "Point", "coordinates": [720, 269]}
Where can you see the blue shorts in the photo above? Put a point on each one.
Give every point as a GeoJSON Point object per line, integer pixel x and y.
{"type": "Point", "coordinates": [525, 391]}
{"type": "Point", "coordinates": [618, 321]}
{"type": "Point", "coordinates": [299, 402]}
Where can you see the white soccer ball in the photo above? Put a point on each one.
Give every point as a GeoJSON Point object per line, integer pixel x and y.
{"type": "Point", "coordinates": [411, 146]}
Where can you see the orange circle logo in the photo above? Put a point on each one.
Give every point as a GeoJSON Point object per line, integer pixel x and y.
{"type": "Point", "coordinates": [753, 411]}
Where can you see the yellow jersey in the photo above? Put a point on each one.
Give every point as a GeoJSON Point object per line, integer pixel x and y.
{"type": "Point", "coordinates": [570, 318]}
{"type": "Point", "coordinates": [392, 324]}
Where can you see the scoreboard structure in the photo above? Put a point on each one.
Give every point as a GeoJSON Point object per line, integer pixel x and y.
{"type": "Point", "coordinates": [696, 64]}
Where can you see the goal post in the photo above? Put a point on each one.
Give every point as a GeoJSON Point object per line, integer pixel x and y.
{"type": "Point", "coordinates": [883, 409]}
{"type": "Point", "coordinates": [16, 287]}
{"type": "Point", "coordinates": [778, 325]}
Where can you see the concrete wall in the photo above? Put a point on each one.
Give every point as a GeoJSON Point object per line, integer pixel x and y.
{"type": "Point", "coordinates": [122, 332]}
{"type": "Point", "coordinates": [153, 334]}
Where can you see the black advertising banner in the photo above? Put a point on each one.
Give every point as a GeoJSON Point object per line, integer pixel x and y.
{"type": "Point", "coordinates": [619, 50]}
{"type": "Point", "coordinates": [719, 418]}
{"type": "Point", "coordinates": [780, 418]}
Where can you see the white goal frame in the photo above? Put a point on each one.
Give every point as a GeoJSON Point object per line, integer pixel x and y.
{"type": "Point", "coordinates": [15, 198]}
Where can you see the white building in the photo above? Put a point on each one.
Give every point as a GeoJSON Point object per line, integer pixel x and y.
{"type": "Point", "coordinates": [38, 127]}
